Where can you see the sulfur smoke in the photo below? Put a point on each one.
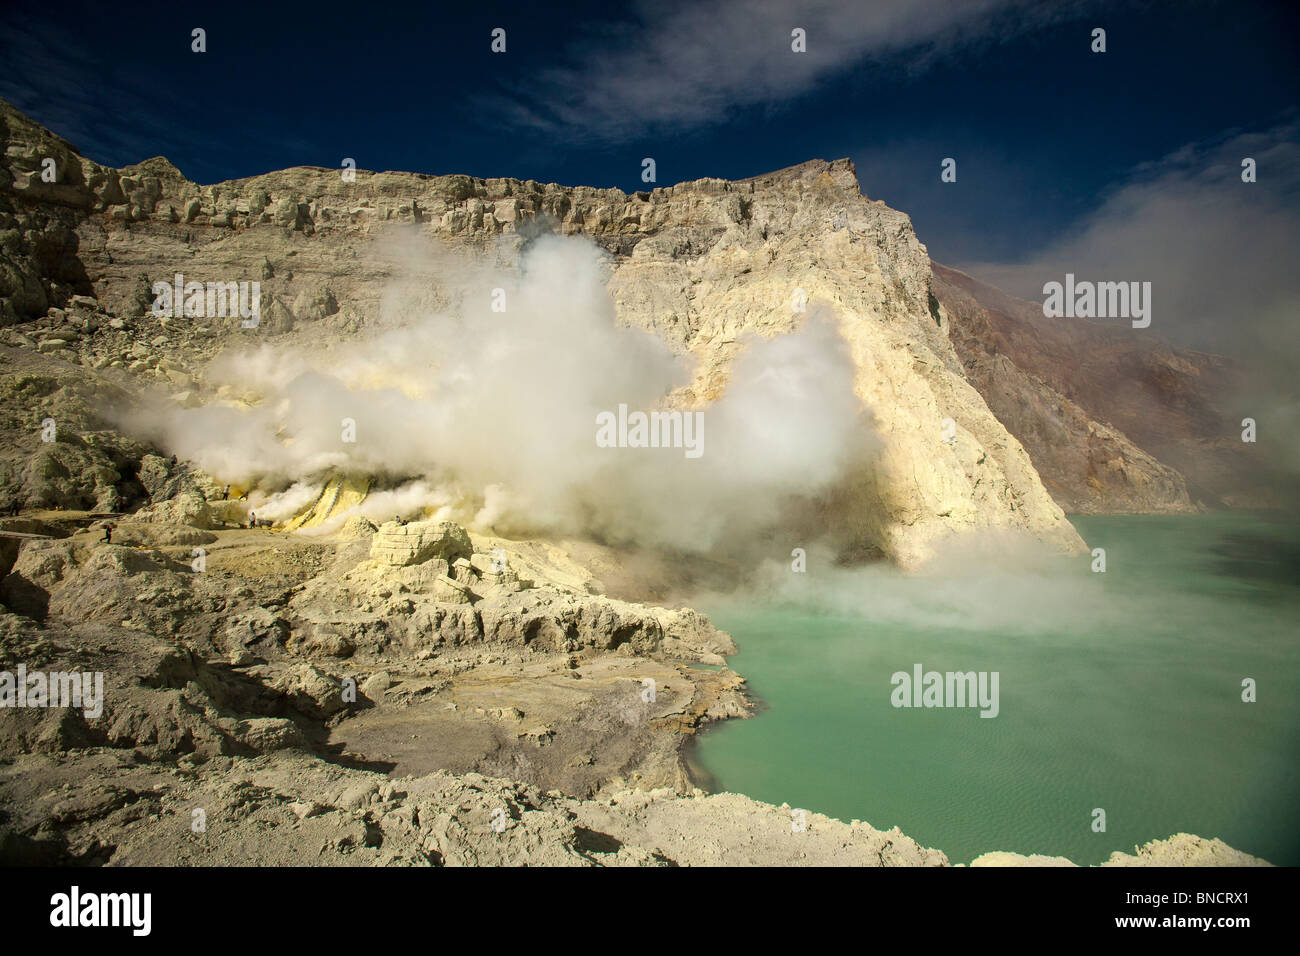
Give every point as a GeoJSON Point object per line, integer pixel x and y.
{"type": "Point", "coordinates": [489, 417]}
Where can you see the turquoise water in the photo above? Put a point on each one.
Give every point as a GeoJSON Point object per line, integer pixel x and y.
{"type": "Point", "coordinates": [1120, 691]}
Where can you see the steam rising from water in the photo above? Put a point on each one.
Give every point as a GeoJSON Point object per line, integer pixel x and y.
{"type": "Point", "coordinates": [1002, 581]}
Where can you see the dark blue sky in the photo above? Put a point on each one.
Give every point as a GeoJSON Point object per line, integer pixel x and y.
{"type": "Point", "coordinates": [1043, 130]}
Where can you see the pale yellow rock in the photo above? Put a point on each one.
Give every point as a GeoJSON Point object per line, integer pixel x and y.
{"type": "Point", "coordinates": [873, 274]}
{"type": "Point", "coordinates": [1002, 858]}
{"type": "Point", "coordinates": [703, 264]}
{"type": "Point", "coordinates": [341, 494]}
{"type": "Point", "coordinates": [398, 545]}
{"type": "Point", "coordinates": [1181, 849]}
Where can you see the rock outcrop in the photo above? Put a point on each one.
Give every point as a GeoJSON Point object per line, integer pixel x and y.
{"type": "Point", "coordinates": [400, 545]}
{"type": "Point", "coordinates": [1181, 849]}
{"type": "Point", "coordinates": [700, 264]}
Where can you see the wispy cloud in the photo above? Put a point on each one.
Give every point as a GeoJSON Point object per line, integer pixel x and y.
{"type": "Point", "coordinates": [1220, 253]}
{"type": "Point", "coordinates": [685, 64]}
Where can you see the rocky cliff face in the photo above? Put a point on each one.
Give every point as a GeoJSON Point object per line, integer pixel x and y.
{"type": "Point", "coordinates": [698, 263]}
{"type": "Point", "coordinates": [1113, 419]}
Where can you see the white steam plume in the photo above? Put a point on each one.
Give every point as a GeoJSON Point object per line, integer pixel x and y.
{"type": "Point", "coordinates": [490, 417]}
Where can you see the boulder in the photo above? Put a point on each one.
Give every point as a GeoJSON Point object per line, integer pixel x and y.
{"type": "Point", "coordinates": [188, 508]}
{"type": "Point", "coordinates": [399, 545]}
{"type": "Point", "coordinates": [356, 527]}
{"type": "Point", "coordinates": [153, 473]}
{"type": "Point", "coordinates": [256, 626]}
{"type": "Point", "coordinates": [310, 691]}
{"type": "Point", "coordinates": [315, 305]}
{"type": "Point", "coordinates": [450, 591]}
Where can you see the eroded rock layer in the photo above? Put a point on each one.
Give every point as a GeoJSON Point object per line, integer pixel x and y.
{"type": "Point", "coordinates": [701, 264]}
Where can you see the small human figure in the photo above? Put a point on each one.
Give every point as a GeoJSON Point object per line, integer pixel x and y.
{"type": "Point", "coordinates": [108, 532]}
{"type": "Point", "coordinates": [252, 519]}
{"type": "Point", "coordinates": [226, 494]}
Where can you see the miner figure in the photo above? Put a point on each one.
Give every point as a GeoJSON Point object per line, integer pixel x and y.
{"type": "Point", "coordinates": [108, 532]}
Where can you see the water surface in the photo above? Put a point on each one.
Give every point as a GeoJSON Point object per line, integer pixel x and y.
{"type": "Point", "coordinates": [1119, 691]}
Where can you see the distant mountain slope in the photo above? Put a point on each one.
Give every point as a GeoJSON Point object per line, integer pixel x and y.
{"type": "Point", "coordinates": [1113, 419]}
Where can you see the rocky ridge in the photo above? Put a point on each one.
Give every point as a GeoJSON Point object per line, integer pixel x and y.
{"type": "Point", "coordinates": [701, 264]}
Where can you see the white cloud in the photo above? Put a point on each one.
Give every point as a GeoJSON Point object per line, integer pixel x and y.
{"type": "Point", "coordinates": [690, 63]}
{"type": "Point", "coordinates": [1220, 253]}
